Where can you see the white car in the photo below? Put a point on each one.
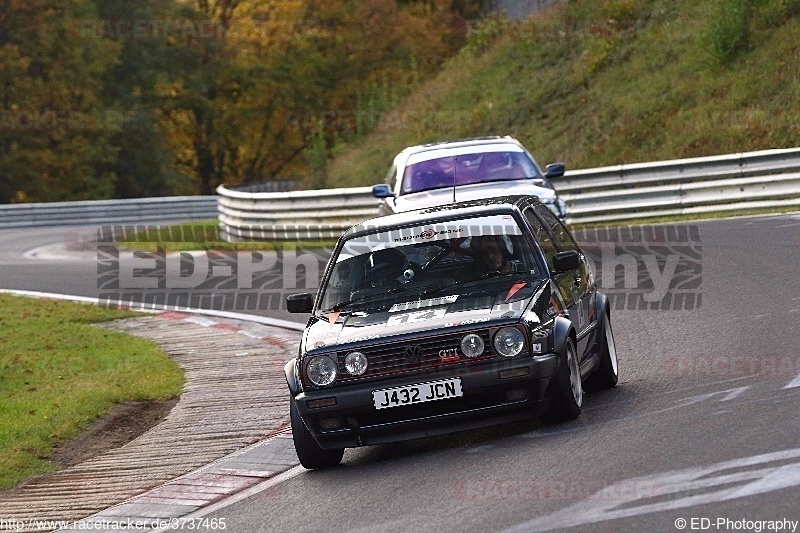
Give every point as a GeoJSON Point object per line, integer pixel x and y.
{"type": "Point", "coordinates": [470, 169]}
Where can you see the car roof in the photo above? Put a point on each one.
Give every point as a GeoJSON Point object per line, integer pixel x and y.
{"type": "Point", "coordinates": [461, 143]}
{"type": "Point", "coordinates": [501, 204]}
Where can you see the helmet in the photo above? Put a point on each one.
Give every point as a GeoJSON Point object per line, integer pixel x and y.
{"type": "Point", "coordinates": [384, 266]}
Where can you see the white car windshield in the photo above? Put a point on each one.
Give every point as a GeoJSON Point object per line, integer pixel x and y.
{"type": "Point", "coordinates": [464, 169]}
{"type": "Point", "coordinates": [443, 258]}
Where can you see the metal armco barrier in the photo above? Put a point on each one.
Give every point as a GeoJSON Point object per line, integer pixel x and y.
{"type": "Point", "coordinates": [764, 179]}
{"type": "Point", "coordinates": [303, 215]}
{"type": "Point", "coordinates": [88, 213]}
{"type": "Point", "coordinates": [752, 180]}
{"type": "Point", "coordinates": [769, 178]}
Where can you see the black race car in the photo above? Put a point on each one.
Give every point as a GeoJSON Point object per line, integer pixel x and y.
{"type": "Point", "coordinates": [447, 319]}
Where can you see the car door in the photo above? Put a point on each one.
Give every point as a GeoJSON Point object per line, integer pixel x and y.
{"type": "Point", "coordinates": [573, 285]}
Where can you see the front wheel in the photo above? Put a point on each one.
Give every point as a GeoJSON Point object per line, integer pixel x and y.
{"type": "Point", "coordinates": [607, 373]}
{"type": "Point", "coordinates": [311, 455]}
{"type": "Point", "coordinates": [567, 397]}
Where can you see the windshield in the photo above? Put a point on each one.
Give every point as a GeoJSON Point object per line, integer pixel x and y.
{"type": "Point", "coordinates": [445, 258]}
{"type": "Point", "coordinates": [463, 169]}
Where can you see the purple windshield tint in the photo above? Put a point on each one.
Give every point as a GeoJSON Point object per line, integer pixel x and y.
{"type": "Point", "coordinates": [467, 169]}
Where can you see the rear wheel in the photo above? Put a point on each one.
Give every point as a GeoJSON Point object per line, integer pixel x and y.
{"type": "Point", "coordinates": [567, 397]}
{"type": "Point", "coordinates": [607, 373]}
{"type": "Point", "coordinates": [311, 455]}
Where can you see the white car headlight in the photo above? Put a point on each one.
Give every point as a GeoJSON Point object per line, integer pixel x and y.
{"type": "Point", "coordinates": [509, 342]}
{"type": "Point", "coordinates": [321, 370]}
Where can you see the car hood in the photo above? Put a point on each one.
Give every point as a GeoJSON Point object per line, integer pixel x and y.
{"type": "Point", "coordinates": [475, 191]}
{"type": "Point", "coordinates": [506, 300]}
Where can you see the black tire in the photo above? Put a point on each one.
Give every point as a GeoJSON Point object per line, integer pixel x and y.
{"type": "Point", "coordinates": [311, 455]}
{"type": "Point", "coordinates": [607, 373]}
{"type": "Point", "coordinates": [567, 392]}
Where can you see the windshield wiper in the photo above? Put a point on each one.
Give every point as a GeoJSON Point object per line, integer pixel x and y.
{"type": "Point", "coordinates": [492, 274]}
{"type": "Point", "coordinates": [342, 305]}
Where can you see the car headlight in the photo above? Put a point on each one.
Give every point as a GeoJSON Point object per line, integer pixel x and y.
{"type": "Point", "coordinates": [509, 342]}
{"type": "Point", "coordinates": [355, 363]}
{"type": "Point", "coordinates": [472, 345]}
{"type": "Point", "coordinates": [321, 370]}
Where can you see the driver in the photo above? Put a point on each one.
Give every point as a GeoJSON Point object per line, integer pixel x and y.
{"type": "Point", "coordinates": [491, 254]}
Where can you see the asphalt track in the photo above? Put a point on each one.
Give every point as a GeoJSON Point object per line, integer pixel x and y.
{"type": "Point", "coordinates": [703, 425]}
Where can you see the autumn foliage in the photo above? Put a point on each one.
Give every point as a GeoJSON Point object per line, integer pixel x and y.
{"type": "Point", "coordinates": [111, 98]}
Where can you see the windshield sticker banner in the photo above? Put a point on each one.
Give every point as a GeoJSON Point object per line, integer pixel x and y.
{"type": "Point", "coordinates": [488, 225]}
{"type": "Point", "coordinates": [430, 302]}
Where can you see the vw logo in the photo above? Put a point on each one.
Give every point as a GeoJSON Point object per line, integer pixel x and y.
{"type": "Point", "coordinates": [413, 355]}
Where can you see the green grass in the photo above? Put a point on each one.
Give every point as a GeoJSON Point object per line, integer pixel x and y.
{"type": "Point", "coordinates": [685, 218]}
{"type": "Point", "coordinates": [608, 82]}
{"type": "Point", "coordinates": [204, 235]}
{"type": "Point", "coordinates": [58, 373]}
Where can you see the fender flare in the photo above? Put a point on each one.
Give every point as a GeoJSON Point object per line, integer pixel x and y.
{"type": "Point", "coordinates": [601, 306]}
{"type": "Point", "coordinates": [561, 331]}
{"type": "Point", "coordinates": [290, 370]}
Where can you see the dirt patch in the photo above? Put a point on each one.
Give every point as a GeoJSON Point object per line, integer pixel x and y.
{"type": "Point", "coordinates": [124, 423]}
{"type": "Point", "coordinates": [121, 425]}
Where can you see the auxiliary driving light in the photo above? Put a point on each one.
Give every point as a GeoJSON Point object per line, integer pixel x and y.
{"type": "Point", "coordinates": [355, 363]}
{"type": "Point", "coordinates": [472, 345]}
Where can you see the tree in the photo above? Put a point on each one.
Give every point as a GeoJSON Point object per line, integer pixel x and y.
{"type": "Point", "coordinates": [52, 131]}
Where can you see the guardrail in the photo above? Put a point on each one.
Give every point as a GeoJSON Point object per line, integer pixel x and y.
{"type": "Point", "coordinates": [769, 178]}
{"type": "Point", "coordinates": [304, 215]}
{"type": "Point", "coordinates": [764, 179]}
{"type": "Point", "coordinates": [87, 213]}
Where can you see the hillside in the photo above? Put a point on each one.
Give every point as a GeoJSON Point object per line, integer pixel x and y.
{"type": "Point", "coordinates": [598, 83]}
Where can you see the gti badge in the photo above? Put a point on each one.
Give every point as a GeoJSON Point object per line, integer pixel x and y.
{"type": "Point", "coordinates": [448, 354]}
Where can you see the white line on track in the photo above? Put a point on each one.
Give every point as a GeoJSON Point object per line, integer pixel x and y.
{"type": "Point", "coordinates": [794, 383]}
{"type": "Point", "coordinates": [243, 495]}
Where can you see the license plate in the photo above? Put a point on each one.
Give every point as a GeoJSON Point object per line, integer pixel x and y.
{"type": "Point", "coordinates": [419, 393]}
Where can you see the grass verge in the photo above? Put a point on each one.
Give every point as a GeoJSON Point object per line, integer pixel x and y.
{"type": "Point", "coordinates": [58, 373]}
{"type": "Point", "coordinates": [204, 235]}
{"type": "Point", "coordinates": [602, 83]}
{"type": "Point", "coordinates": [643, 220]}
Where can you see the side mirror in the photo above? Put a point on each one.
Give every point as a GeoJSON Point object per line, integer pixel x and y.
{"type": "Point", "coordinates": [299, 303]}
{"type": "Point", "coordinates": [382, 191]}
{"type": "Point", "coordinates": [565, 261]}
{"type": "Point", "coordinates": [555, 170]}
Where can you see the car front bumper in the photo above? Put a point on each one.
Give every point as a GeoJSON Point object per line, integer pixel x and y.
{"type": "Point", "coordinates": [490, 397]}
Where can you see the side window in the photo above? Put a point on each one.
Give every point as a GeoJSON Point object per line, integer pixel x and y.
{"type": "Point", "coordinates": [542, 237]}
{"type": "Point", "coordinates": [560, 234]}
{"type": "Point", "coordinates": [565, 280]}
{"type": "Point", "coordinates": [391, 178]}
